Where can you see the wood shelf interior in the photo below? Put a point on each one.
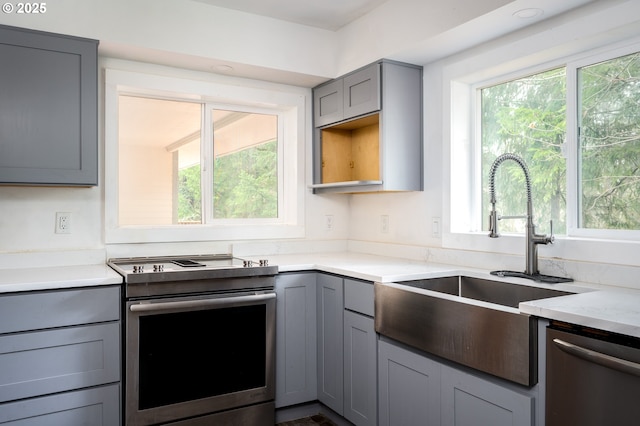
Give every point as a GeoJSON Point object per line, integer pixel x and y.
{"type": "Point", "coordinates": [351, 151]}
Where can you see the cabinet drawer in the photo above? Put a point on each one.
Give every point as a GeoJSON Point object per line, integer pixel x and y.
{"type": "Point", "coordinates": [39, 310]}
{"type": "Point", "coordinates": [93, 407]}
{"type": "Point", "coordinates": [44, 362]}
{"type": "Point", "coordinates": [358, 296]}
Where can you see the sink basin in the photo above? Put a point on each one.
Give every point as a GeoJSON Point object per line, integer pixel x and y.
{"type": "Point", "coordinates": [493, 338]}
{"type": "Point", "coordinates": [497, 292]}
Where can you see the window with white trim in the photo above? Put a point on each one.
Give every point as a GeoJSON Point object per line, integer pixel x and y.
{"type": "Point", "coordinates": [195, 161]}
{"type": "Point", "coordinates": [577, 128]}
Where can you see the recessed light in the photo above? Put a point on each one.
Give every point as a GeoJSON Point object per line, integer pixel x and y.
{"type": "Point", "coordinates": [528, 13]}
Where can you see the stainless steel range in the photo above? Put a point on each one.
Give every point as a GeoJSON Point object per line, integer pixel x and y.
{"type": "Point", "coordinates": [199, 340]}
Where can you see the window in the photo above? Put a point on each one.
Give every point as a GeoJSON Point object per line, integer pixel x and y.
{"type": "Point", "coordinates": [528, 116]}
{"type": "Point", "coordinates": [609, 143]}
{"type": "Point", "coordinates": [196, 161]}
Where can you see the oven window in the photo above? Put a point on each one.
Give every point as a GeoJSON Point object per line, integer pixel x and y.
{"type": "Point", "coordinates": [191, 355]}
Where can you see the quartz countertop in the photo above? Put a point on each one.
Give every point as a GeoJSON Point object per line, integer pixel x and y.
{"type": "Point", "coordinates": [617, 311]}
{"type": "Point", "coordinates": [611, 309]}
{"type": "Point", "coordinates": [49, 278]}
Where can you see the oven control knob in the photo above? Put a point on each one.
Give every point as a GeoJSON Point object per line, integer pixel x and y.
{"type": "Point", "coordinates": [247, 263]}
{"type": "Point", "coordinates": [137, 269]}
{"type": "Point", "coordinates": [158, 268]}
{"type": "Point", "coordinates": [264, 262]}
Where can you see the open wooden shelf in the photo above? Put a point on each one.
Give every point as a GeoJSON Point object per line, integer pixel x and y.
{"type": "Point", "coordinates": [351, 151]}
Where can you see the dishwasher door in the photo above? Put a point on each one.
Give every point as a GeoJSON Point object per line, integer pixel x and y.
{"type": "Point", "coordinates": [593, 377]}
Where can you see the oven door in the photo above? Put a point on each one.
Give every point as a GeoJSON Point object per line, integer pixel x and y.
{"type": "Point", "coordinates": [192, 356]}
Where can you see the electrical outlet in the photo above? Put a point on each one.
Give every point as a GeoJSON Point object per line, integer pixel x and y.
{"type": "Point", "coordinates": [435, 227]}
{"type": "Point", "coordinates": [63, 222]}
{"type": "Point", "coordinates": [328, 222]}
{"type": "Point", "coordinates": [384, 223]}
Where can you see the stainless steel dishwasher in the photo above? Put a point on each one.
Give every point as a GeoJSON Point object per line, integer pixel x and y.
{"type": "Point", "coordinates": [593, 377]}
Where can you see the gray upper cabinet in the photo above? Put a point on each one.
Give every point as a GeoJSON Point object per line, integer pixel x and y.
{"type": "Point", "coordinates": [48, 109]}
{"type": "Point", "coordinates": [355, 94]}
{"type": "Point", "coordinates": [368, 130]}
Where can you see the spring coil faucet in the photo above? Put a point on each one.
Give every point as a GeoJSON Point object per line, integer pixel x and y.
{"type": "Point", "coordinates": [532, 239]}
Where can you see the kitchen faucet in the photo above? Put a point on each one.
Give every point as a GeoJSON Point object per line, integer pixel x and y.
{"type": "Point", "coordinates": [532, 239]}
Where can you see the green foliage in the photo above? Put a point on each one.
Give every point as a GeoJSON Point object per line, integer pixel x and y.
{"type": "Point", "coordinates": [189, 199]}
{"type": "Point", "coordinates": [526, 117]}
{"type": "Point", "coordinates": [610, 143]}
{"type": "Point", "coordinates": [246, 183]}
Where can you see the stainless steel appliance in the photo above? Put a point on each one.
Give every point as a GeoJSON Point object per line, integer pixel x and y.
{"type": "Point", "coordinates": [199, 340]}
{"type": "Point", "coordinates": [593, 377]}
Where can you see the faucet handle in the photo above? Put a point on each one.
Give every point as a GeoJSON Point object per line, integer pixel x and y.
{"type": "Point", "coordinates": [550, 238]}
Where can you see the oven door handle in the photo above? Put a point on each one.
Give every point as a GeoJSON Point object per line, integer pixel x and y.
{"type": "Point", "coordinates": [609, 361]}
{"type": "Point", "coordinates": [200, 303]}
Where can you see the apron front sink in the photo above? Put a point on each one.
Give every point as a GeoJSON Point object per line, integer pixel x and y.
{"type": "Point", "coordinates": [446, 317]}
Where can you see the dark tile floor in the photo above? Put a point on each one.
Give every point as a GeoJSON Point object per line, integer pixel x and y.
{"type": "Point", "coordinates": [316, 420]}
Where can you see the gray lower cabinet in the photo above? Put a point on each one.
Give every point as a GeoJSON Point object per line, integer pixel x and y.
{"type": "Point", "coordinates": [326, 345]}
{"type": "Point", "coordinates": [418, 390]}
{"type": "Point", "coordinates": [98, 406]}
{"type": "Point", "coordinates": [468, 400]}
{"type": "Point", "coordinates": [360, 369]}
{"type": "Point", "coordinates": [60, 357]}
{"type": "Point", "coordinates": [296, 377]}
{"type": "Point", "coordinates": [48, 108]}
{"type": "Point", "coordinates": [408, 387]}
{"type": "Point", "coordinates": [330, 300]}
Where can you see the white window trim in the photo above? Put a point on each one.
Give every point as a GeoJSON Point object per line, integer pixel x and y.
{"type": "Point", "coordinates": [291, 109]}
{"type": "Point", "coordinates": [461, 163]}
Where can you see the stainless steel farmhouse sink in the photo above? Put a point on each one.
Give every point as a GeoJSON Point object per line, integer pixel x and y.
{"type": "Point", "coordinates": [446, 321]}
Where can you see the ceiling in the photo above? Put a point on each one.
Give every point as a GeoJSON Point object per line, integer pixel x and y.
{"type": "Point", "coordinates": [327, 14]}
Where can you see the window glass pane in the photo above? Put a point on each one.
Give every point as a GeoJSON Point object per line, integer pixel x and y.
{"type": "Point", "coordinates": [245, 168]}
{"type": "Point", "coordinates": [526, 117]}
{"type": "Point", "coordinates": [159, 161]}
{"type": "Point", "coordinates": [609, 114]}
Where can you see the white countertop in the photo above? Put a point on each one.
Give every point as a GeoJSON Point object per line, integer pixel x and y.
{"type": "Point", "coordinates": [606, 309]}
{"type": "Point", "coordinates": [614, 311]}
{"type": "Point", "coordinates": [30, 279]}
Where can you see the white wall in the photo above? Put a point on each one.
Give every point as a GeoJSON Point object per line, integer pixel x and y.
{"type": "Point", "coordinates": [600, 26]}
{"type": "Point", "coordinates": [169, 31]}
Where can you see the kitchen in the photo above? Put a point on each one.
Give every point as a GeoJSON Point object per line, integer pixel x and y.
{"type": "Point", "coordinates": [418, 223]}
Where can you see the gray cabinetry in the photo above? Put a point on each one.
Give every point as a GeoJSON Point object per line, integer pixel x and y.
{"type": "Point", "coordinates": [368, 130]}
{"type": "Point", "coordinates": [296, 376]}
{"type": "Point", "coordinates": [360, 369]}
{"type": "Point", "coordinates": [330, 299]}
{"type": "Point", "coordinates": [90, 407]}
{"type": "Point", "coordinates": [60, 356]}
{"type": "Point", "coordinates": [48, 109]}
{"type": "Point", "coordinates": [355, 94]}
{"type": "Point", "coordinates": [416, 389]}
{"type": "Point", "coordinates": [409, 387]}
{"type": "Point", "coordinates": [469, 400]}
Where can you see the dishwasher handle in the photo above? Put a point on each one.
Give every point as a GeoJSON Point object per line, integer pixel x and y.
{"type": "Point", "coordinates": [201, 303]}
{"type": "Point", "coordinates": [605, 360]}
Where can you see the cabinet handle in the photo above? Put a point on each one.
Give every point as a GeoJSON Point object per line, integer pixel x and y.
{"type": "Point", "coordinates": [609, 361]}
{"type": "Point", "coordinates": [201, 303]}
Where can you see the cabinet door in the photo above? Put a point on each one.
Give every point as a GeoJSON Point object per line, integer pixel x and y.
{"type": "Point", "coordinates": [468, 400]}
{"type": "Point", "coordinates": [48, 109]}
{"type": "Point", "coordinates": [49, 361]}
{"type": "Point", "coordinates": [409, 387]}
{"type": "Point", "coordinates": [360, 369]}
{"type": "Point", "coordinates": [90, 407]}
{"type": "Point", "coordinates": [296, 373]}
{"type": "Point", "coordinates": [362, 91]}
{"type": "Point", "coordinates": [330, 341]}
{"type": "Point", "coordinates": [328, 104]}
